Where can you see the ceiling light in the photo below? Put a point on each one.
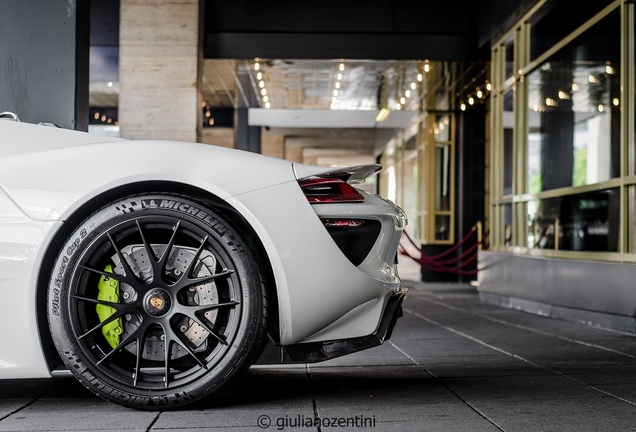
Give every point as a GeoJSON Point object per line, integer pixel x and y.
{"type": "Point", "coordinates": [382, 115]}
{"type": "Point", "coordinates": [564, 95]}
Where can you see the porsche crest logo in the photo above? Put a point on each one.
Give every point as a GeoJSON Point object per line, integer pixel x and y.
{"type": "Point", "coordinates": [157, 302]}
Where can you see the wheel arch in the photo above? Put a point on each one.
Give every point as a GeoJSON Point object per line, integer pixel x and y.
{"type": "Point", "coordinates": [232, 216]}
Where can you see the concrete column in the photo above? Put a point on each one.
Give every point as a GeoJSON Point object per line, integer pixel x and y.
{"type": "Point", "coordinates": [159, 69]}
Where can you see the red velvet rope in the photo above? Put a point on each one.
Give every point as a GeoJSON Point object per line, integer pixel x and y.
{"type": "Point", "coordinates": [430, 263]}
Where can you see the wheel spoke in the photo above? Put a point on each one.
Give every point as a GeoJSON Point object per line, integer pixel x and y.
{"type": "Point", "coordinates": [186, 273]}
{"type": "Point", "coordinates": [139, 351]}
{"type": "Point", "coordinates": [168, 355]}
{"type": "Point", "coordinates": [127, 269]}
{"type": "Point", "coordinates": [149, 251]}
{"type": "Point", "coordinates": [166, 253]}
{"type": "Point", "coordinates": [221, 339]}
{"type": "Point", "coordinates": [187, 281]}
{"type": "Point", "coordinates": [189, 311]}
{"type": "Point", "coordinates": [102, 324]}
{"type": "Point", "coordinates": [121, 278]}
{"type": "Point", "coordinates": [172, 336]}
{"type": "Point", "coordinates": [124, 343]}
{"type": "Point", "coordinates": [121, 307]}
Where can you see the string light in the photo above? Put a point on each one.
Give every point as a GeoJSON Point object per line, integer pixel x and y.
{"type": "Point", "coordinates": [564, 95]}
{"type": "Point", "coordinates": [341, 67]}
{"type": "Point", "coordinates": [550, 102]}
{"type": "Point", "coordinates": [413, 86]}
{"type": "Point", "coordinates": [462, 106]}
{"type": "Point", "coordinates": [263, 91]}
{"type": "Point", "coordinates": [398, 106]}
{"type": "Point", "coordinates": [407, 93]}
{"type": "Point", "coordinates": [480, 94]}
{"type": "Point", "coordinates": [609, 70]}
{"type": "Point", "coordinates": [471, 100]}
{"type": "Point", "coordinates": [259, 76]}
{"type": "Point", "coordinates": [488, 86]}
{"type": "Point", "coordinates": [419, 77]}
{"type": "Point", "coordinates": [402, 100]}
{"type": "Point", "coordinates": [616, 101]}
{"type": "Point", "coordinates": [267, 105]}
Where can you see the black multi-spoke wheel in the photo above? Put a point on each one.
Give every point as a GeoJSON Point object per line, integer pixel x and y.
{"type": "Point", "coordinates": [155, 301]}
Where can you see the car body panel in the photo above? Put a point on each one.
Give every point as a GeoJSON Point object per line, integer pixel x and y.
{"type": "Point", "coordinates": [321, 294]}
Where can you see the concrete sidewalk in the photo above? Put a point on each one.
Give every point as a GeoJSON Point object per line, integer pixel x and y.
{"type": "Point", "coordinates": [453, 364]}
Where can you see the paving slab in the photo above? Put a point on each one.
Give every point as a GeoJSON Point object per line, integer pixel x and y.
{"type": "Point", "coordinates": [452, 364]}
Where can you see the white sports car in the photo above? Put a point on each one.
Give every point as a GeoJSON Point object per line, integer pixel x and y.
{"type": "Point", "coordinates": [158, 272]}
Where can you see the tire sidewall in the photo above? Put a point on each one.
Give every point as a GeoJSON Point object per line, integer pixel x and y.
{"type": "Point", "coordinates": [58, 303]}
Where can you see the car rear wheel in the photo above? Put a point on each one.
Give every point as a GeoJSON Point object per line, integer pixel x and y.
{"type": "Point", "coordinates": [155, 302]}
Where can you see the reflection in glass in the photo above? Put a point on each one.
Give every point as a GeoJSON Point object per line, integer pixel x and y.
{"type": "Point", "coordinates": [442, 178]}
{"type": "Point", "coordinates": [508, 136]}
{"type": "Point", "coordinates": [442, 227]}
{"type": "Point", "coordinates": [573, 119]}
{"type": "Point", "coordinates": [581, 222]}
{"type": "Point", "coordinates": [507, 226]}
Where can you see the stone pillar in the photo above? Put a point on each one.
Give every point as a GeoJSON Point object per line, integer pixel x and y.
{"type": "Point", "coordinates": [159, 62]}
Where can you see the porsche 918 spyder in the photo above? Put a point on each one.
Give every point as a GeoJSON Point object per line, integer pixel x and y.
{"type": "Point", "coordinates": [157, 272]}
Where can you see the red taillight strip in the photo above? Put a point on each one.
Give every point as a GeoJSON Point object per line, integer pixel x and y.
{"type": "Point", "coordinates": [329, 190]}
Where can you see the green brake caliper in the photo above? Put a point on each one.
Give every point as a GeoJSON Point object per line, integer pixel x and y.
{"type": "Point", "coordinates": [109, 291]}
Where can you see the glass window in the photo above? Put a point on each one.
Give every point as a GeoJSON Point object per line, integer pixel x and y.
{"type": "Point", "coordinates": [631, 227]}
{"type": "Point", "coordinates": [442, 180]}
{"type": "Point", "coordinates": [508, 139]}
{"type": "Point", "coordinates": [557, 19]}
{"type": "Point", "coordinates": [507, 226]}
{"type": "Point", "coordinates": [581, 222]}
{"type": "Point", "coordinates": [510, 59]}
{"type": "Point", "coordinates": [574, 117]}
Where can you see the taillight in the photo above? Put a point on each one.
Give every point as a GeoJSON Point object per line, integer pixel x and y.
{"type": "Point", "coordinates": [329, 190]}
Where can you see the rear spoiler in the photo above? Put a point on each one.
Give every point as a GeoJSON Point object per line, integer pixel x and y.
{"type": "Point", "coordinates": [352, 175]}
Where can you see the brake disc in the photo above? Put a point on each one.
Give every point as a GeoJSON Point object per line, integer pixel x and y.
{"type": "Point", "coordinates": [199, 295]}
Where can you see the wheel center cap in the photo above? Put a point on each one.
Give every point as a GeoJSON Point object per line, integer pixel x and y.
{"type": "Point", "coordinates": [157, 302]}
